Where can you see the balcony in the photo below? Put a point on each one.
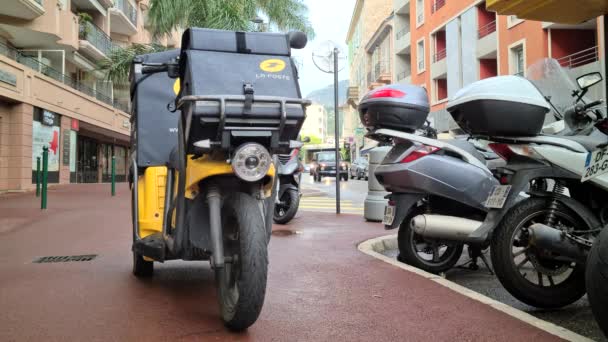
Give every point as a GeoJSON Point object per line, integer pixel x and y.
{"type": "Point", "coordinates": [93, 41]}
{"type": "Point", "coordinates": [401, 6]}
{"type": "Point", "coordinates": [404, 77]}
{"type": "Point", "coordinates": [403, 41]}
{"type": "Point", "coordinates": [46, 70]}
{"type": "Point", "coordinates": [93, 5]}
{"type": "Point", "coordinates": [123, 17]}
{"type": "Point", "coordinates": [439, 66]}
{"type": "Point", "coordinates": [382, 72]}
{"type": "Point", "coordinates": [437, 4]}
{"type": "Point", "coordinates": [487, 44]}
{"type": "Point", "coordinates": [23, 9]}
{"type": "Point", "coordinates": [580, 58]}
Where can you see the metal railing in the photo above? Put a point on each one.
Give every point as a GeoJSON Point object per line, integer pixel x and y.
{"type": "Point", "coordinates": [128, 9]}
{"type": "Point", "coordinates": [420, 17]}
{"type": "Point", "coordinates": [402, 32]}
{"type": "Point", "coordinates": [437, 4]}
{"type": "Point", "coordinates": [580, 58]}
{"type": "Point", "coordinates": [441, 54]}
{"type": "Point", "coordinates": [521, 74]}
{"type": "Point", "coordinates": [94, 35]}
{"type": "Point", "coordinates": [402, 75]}
{"type": "Point", "coordinates": [381, 68]}
{"type": "Point", "coordinates": [46, 70]}
{"type": "Point", "coordinates": [486, 29]}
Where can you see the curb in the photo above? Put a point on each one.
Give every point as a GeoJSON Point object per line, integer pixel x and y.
{"type": "Point", "coordinates": [374, 247]}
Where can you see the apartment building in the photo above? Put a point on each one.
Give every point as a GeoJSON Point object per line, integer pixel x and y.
{"type": "Point", "coordinates": [51, 93]}
{"type": "Point", "coordinates": [370, 56]}
{"type": "Point", "coordinates": [315, 124]}
{"type": "Point", "coordinates": [457, 42]}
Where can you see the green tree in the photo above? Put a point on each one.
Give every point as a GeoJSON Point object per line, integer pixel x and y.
{"type": "Point", "coordinates": [166, 16]}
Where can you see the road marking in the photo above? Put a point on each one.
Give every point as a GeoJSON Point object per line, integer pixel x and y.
{"type": "Point", "coordinates": [328, 204]}
{"type": "Point", "coordinates": [374, 247]}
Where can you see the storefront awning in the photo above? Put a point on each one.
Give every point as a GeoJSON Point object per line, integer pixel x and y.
{"type": "Point", "coordinates": [102, 134]}
{"type": "Point", "coordinates": [556, 11]}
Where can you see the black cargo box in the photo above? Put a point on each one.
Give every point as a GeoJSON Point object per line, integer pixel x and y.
{"type": "Point", "coordinates": [224, 64]}
{"type": "Point", "coordinates": [153, 126]}
{"type": "Point", "coordinates": [500, 106]}
{"type": "Point", "coordinates": [401, 107]}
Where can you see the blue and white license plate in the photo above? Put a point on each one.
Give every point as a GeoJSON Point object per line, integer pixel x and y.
{"type": "Point", "coordinates": [596, 164]}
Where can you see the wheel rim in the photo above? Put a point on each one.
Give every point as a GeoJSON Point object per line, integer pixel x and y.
{"type": "Point", "coordinates": [229, 277]}
{"type": "Point", "coordinates": [282, 208]}
{"type": "Point", "coordinates": [431, 252]}
{"type": "Point", "coordinates": [534, 265]}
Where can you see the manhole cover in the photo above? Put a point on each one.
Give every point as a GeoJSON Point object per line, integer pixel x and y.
{"type": "Point", "coordinates": [65, 258]}
{"type": "Point", "coordinates": [285, 232]}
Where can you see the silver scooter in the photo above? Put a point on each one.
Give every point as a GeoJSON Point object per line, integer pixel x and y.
{"type": "Point", "coordinates": [288, 183]}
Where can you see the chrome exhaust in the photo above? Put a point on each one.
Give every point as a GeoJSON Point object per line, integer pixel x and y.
{"type": "Point", "coordinates": [557, 241]}
{"type": "Point", "coordinates": [444, 227]}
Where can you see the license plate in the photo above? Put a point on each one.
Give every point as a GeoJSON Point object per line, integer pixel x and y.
{"type": "Point", "coordinates": [596, 164]}
{"type": "Point", "coordinates": [498, 196]}
{"type": "Point", "coordinates": [389, 215]}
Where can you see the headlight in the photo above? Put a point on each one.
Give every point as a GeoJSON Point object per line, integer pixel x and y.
{"type": "Point", "coordinates": [251, 162]}
{"type": "Point", "coordinates": [343, 165]}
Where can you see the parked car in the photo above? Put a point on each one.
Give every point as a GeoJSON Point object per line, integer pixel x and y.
{"type": "Point", "coordinates": [324, 165]}
{"type": "Point", "coordinates": [359, 168]}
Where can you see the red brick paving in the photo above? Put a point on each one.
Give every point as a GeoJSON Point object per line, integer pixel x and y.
{"type": "Point", "coordinates": [321, 288]}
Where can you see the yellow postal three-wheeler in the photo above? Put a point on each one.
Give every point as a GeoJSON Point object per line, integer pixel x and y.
{"type": "Point", "coordinates": [207, 122]}
{"type": "Point", "coordinates": [574, 12]}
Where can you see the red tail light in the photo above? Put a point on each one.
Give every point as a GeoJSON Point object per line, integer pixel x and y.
{"type": "Point", "coordinates": [388, 92]}
{"type": "Point", "coordinates": [294, 153]}
{"type": "Point", "coordinates": [503, 150]}
{"type": "Point", "coordinates": [419, 152]}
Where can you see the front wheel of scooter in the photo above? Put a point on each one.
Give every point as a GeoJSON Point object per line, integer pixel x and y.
{"type": "Point", "coordinates": [242, 281]}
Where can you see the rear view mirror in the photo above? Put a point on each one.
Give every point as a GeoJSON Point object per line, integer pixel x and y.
{"type": "Point", "coordinates": [305, 140]}
{"type": "Point", "coordinates": [589, 80]}
{"type": "Point", "coordinates": [297, 39]}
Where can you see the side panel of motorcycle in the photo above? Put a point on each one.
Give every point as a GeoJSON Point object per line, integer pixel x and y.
{"type": "Point", "coordinates": [151, 200]}
{"type": "Point", "coordinates": [569, 160]}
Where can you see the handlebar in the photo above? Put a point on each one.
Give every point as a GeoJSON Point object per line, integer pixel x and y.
{"type": "Point", "coordinates": [152, 69]}
{"type": "Point", "coordinates": [592, 104]}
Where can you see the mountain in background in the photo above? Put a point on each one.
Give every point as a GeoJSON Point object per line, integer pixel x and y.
{"type": "Point", "coordinates": [325, 96]}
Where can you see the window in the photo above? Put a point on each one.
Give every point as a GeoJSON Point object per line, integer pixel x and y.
{"type": "Point", "coordinates": [513, 20]}
{"type": "Point", "coordinates": [420, 56]}
{"type": "Point", "coordinates": [419, 12]}
{"type": "Point", "coordinates": [517, 62]}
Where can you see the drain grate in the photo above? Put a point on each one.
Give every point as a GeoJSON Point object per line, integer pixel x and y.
{"type": "Point", "coordinates": [65, 258]}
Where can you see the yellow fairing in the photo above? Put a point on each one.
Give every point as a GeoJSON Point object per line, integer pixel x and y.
{"type": "Point", "coordinates": [151, 200]}
{"type": "Point", "coordinates": [151, 189]}
{"type": "Point", "coordinates": [205, 167]}
{"type": "Point", "coordinates": [557, 11]}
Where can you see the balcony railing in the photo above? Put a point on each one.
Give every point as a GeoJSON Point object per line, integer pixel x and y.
{"type": "Point", "coordinates": [521, 74]}
{"type": "Point", "coordinates": [93, 34]}
{"type": "Point", "coordinates": [381, 68]}
{"type": "Point", "coordinates": [57, 76]}
{"type": "Point", "coordinates": [441, 54]}
{"type": "Point", "coordinates": [437, 4]}
{"type": "Point", "coordinates": [128, 9]}
{"type": "Point", "coordinates": [402, 75]}
{"type": "Point", "coordinates": [486, 29]}
{"type": "Point", "coordinates": [402, 32]}
{"type": "Point", "coordinates": [579, 58]}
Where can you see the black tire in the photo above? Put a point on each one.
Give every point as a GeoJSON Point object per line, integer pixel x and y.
{"type": "Point", "coordinates": [141, 267]}
{"type": "Point", "coordinates": [597, 280]}
{"type": "Point", "coordinates": [359, 176]}
{"type": "Point", "coordinates": [242, 285]}
{"type": "Point", "coordinates": [292, 198]}
{"type": "Point", "coordinates": [344, 178]}
{"type": "Point", "coordinates": [366, 178]}
{"type": "Point", "coordinates": [408, 242]}
{"type": "Point", "coordinates": [556, 295]}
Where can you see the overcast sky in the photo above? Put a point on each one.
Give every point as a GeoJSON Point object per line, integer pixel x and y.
{"type": "Point", "coordinates": [330, 19]}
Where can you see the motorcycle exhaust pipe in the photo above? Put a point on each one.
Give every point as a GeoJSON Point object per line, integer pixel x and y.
{"type": "Point", "coordinates": [556, 241]}
{"type": "Point", "coordinates": [444, 227]}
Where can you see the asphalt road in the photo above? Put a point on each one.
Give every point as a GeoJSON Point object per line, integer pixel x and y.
{"type": "Point", "coordinates": [576, 317]}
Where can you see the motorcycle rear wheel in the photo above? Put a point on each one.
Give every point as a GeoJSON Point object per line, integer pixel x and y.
{"type": "Point", "coordinates": [597, 280]}
{"type": "Point", "coordinates": [242, 281]}
{"type": "Point", "coordinates": [557, 283]}
{"type": "Point", "coordinates": [409, 243]}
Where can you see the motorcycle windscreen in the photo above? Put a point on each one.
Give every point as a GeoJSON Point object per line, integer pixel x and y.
{"type": "Point", "coordinates": [557, 11]}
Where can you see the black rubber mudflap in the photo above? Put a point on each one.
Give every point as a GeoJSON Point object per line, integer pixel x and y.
{"type": "Point", "coordinates": [152, 246]}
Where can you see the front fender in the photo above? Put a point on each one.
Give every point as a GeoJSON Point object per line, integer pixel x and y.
{"type": "Point", "coordinates": [286, 186]}
{"type": "Point", "coordinates": [403, 205]}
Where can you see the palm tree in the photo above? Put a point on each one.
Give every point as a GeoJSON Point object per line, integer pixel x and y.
{"type": "Point", "coordinates": [166, 16]}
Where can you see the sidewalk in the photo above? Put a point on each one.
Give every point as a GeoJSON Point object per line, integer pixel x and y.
{"type": "Point", "coordinates": [321, 288]}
